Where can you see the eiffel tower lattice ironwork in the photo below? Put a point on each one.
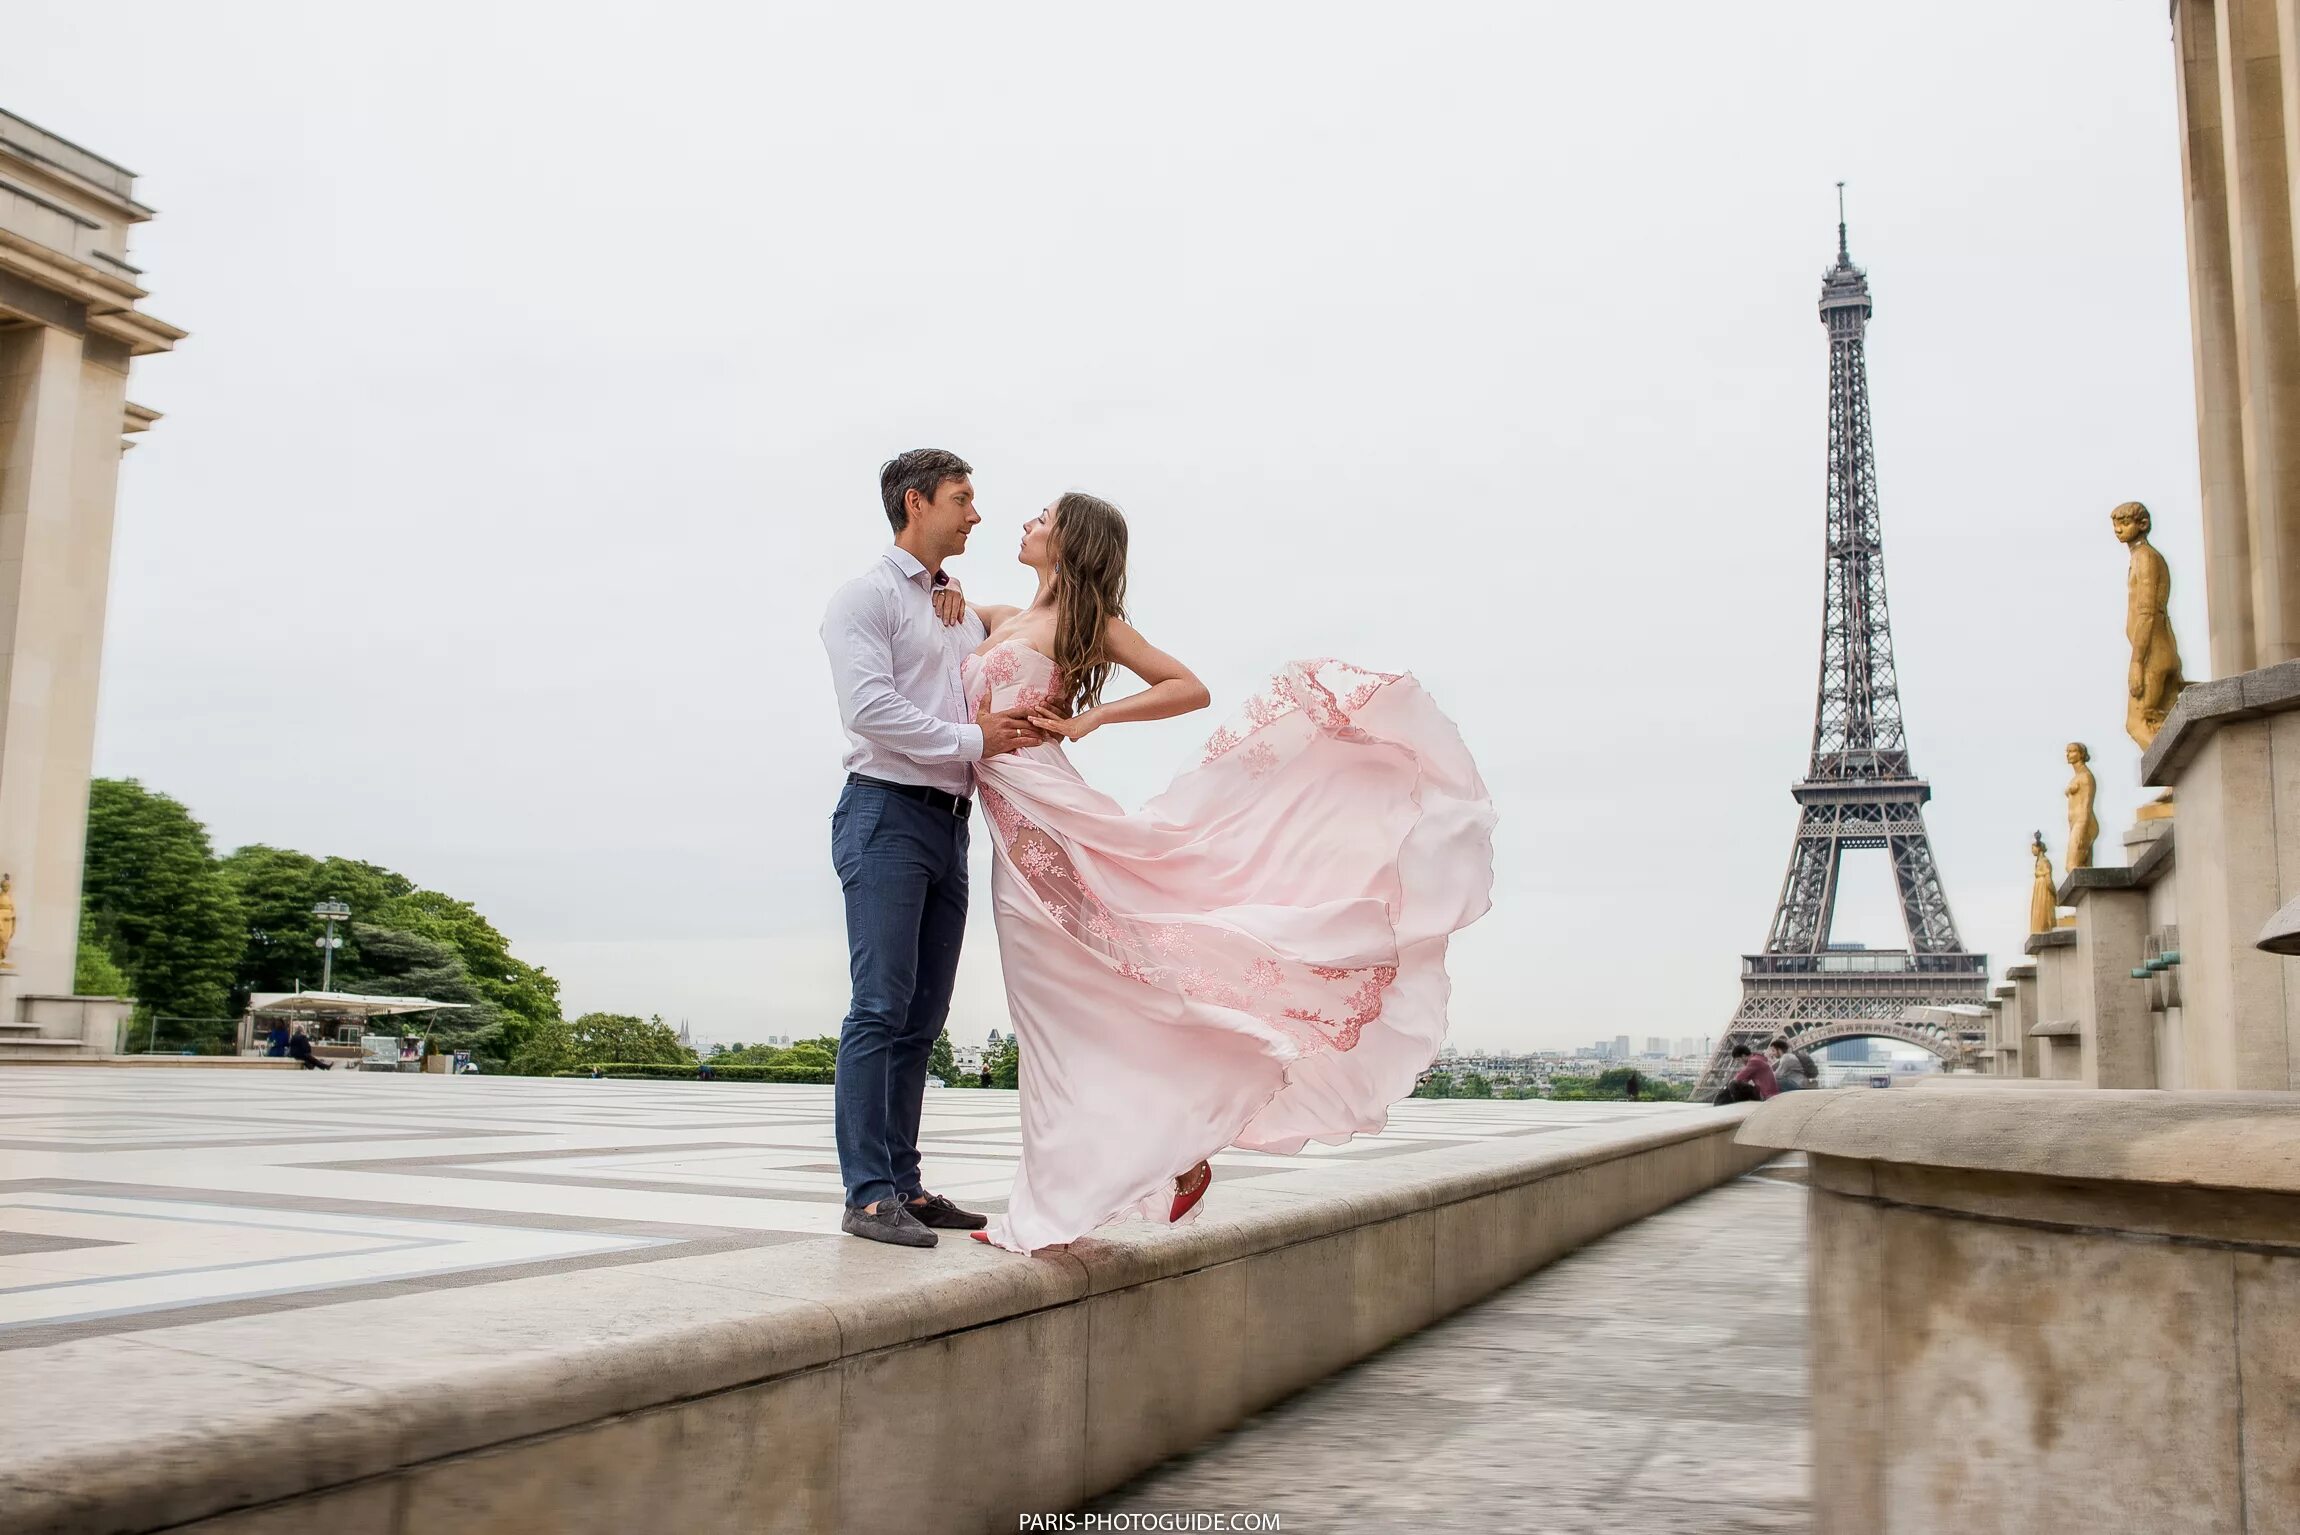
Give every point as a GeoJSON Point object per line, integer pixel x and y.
{"type": "Point", "coordinates": [1859, 791]}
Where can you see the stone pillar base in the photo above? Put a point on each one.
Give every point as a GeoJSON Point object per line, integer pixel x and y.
{"type": "Point", "coordinates": [2061, 1311]}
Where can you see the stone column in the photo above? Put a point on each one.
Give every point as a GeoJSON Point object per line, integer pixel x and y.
{"type": "Point", "coordinates": [85, 577]}
{"type": "Point", "coordinates": [2119, 1043]}
{"type": "Point", "coordinates": [42, 823]}
{"type": "Point", "coordinates": [2212, 318]}
{"type": "Point", "coordinates": [2267, 314]}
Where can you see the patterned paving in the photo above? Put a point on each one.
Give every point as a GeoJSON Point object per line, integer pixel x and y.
{"type": "Point", "coordinates": [134, 1199]}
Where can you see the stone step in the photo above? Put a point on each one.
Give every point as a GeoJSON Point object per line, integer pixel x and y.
{"type": "Point", "coordinates": [17, 1030]}
{"type": "Point", "coordinates": [17, 1047]}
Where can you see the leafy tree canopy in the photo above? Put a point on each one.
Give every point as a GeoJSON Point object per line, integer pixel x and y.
{"type": "Point", "coordinates": [156, 904]}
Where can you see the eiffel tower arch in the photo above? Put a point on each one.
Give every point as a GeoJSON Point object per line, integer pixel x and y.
{"type": "Point", "coordinates": [1859, 791]}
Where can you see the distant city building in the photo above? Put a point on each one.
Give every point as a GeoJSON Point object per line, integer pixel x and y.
{"type": "Point", "coordinates": [1621, 1050]}
{"type": "Point", "coordinates": [1692, 1045]}
{"type": "Point", "coordinates": [1656, 1045]}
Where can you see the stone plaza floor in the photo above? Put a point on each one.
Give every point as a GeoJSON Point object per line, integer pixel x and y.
{"type": "Point", "coordinates": [225, 1290]}
{"type": "Point", "coordinates": [1652, 1383]}
{"type": "Point", "coordinates": [142, 1199]}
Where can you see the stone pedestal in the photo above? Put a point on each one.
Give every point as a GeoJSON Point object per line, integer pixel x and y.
{"type": "Point", "coordinates": [94, 1021]}
{"type": "Point", "coordinates": [2059, 1311]}
{"type": "Point", "coordinates": [2021, 1019]}
{"type": "Point", "coordinates": [2059, 1027]}
{"type": "Point", "coordinates": [2231, 753]}
{"type": "Point", "coordinates": [2118, 1039]}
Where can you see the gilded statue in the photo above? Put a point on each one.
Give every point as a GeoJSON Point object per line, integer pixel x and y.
{"type": "Point", "coordinates": [2083, 825]}
{"type": "Point", "coordinates": [2043, 898]}
{"type": "Point", "coordinates": [2153, 681]}
{"type": "Point", "coordinates": [7, 922]}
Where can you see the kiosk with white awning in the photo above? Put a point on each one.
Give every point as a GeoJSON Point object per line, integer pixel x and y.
{"type": "Point", "coordinates": [341, 1019]}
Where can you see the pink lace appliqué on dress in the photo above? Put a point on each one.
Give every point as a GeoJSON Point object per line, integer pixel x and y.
{"type": "Point", "coordinates": [1321, 1007]}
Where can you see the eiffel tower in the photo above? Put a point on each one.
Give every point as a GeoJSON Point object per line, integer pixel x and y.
{"type": "Point", "coordinates": [1860, 791]}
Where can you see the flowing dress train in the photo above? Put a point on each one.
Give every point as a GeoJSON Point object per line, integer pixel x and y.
{"type": "Point", "coordinates": [1256, 958]}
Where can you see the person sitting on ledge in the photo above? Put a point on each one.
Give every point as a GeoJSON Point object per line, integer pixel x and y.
{"type": "Point", "coordinates": [1792, 1068]}
{"type": "Point", "coordinates": [1752, 1083]}
{"type": "Point", "coordinates": [299, 1046]}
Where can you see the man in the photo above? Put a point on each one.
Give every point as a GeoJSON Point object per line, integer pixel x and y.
{"type": "Point", "coordinates": [1792, 1069]}
{"type": "Point", "coordinates": [1752, 1083]}
{"type": "Point", "coordinates": [299, 1046]}
{"type": "Point", "coordinates": [898, 837]}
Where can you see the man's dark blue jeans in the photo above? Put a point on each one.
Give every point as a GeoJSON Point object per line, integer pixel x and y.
{"type": "Point", "coordinates": [902, 863]}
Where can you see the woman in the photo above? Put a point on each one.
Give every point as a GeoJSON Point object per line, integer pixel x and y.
{"type": "Point", "coordinates": [1257, 957]}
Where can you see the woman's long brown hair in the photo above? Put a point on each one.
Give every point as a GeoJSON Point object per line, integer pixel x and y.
{"type": "Point", "coordinates": [1089, 592]}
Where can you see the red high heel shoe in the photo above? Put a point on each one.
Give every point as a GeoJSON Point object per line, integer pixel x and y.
{"type": "Point", "coordinates": [1191, 1187]}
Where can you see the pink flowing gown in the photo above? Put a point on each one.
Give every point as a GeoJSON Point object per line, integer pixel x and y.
{"type": "Point", "coordinates": [1256, 958]}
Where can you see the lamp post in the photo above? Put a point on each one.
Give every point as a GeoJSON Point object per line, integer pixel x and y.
{"type": "Point", "coordinates": [330, 912]}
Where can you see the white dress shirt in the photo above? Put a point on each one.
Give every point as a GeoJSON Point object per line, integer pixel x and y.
{"type": "Point", "coordinates": [896, 668]}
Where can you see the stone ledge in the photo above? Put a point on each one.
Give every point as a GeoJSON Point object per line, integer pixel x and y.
{"type": "Point", "coordinates": [2020, 972]}
{"type": "Point", "coordinates": [2185, 1140]}
{"type": "Point", "coordinates": [2056, 1028]}
{"type": "Point", "coordinates": [2058, 938]}
{"type": "Point", "coordinates": [2203, 707]}
{"type": "Point", "coordinates": [720, 1391]}
{"type": "Point", "coordinates": [2081, 881]}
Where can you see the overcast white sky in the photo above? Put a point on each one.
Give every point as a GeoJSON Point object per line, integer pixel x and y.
{"type": "Point", "coordinates": [543, 357]}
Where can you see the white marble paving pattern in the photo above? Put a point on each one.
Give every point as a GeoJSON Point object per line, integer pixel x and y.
{"type": "Point", "coordinates": [132, 1190]}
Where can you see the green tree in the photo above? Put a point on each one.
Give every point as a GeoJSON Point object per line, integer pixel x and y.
{"type": "Point", "coordinates": [520, 996]}
{"type": "Point", "coordinates": [1006, 1063]}
{"type": "Point", "coordinates": [93, 972]}
{"type": "Point", "coordinates": [161, 910]}
{"type": "Point", "coordinates": [941, 1063]}
{"type": "Point", "coordinates": [812, 1054]}
{"type": "Point", "coordinates": [403, 964]}
{"type": "Point", "coordinates": [1474, 1084]}
{"type": "Point", "coordinates": [278, 887]}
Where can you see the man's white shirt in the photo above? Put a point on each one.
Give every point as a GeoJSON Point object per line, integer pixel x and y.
{"type": "Point", "coordinates": [896, 668]}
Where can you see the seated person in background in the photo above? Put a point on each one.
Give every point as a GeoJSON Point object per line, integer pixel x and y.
{"type": "Point", "coordinates": [299, 1046]}
{"type": "Point", "coordinates": [1792, 1069]}
{"type": "Point", "coordinates": [1752, 1083]}
{"type": "Point", "coordinates": [276, 1043]}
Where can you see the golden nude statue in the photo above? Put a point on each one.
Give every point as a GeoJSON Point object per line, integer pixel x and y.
{"type": "Point", "coordinates": [7, 922]}
{"type": "Point", "coordinates": [2153, 680]}
{"type": "Point", "coordinates": [2043, 901]}
{"type": "Point", "coordinates": [2083, 825]}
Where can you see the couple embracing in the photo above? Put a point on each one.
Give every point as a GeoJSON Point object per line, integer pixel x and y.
{"type": "Point", "coordinates": [1254, 959]}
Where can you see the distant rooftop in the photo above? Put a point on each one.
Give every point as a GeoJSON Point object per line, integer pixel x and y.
{"type": "Point", "coordinates": [38, 143]}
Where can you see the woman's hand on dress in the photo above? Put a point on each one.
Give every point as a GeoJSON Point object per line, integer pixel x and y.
{"type": "Point", "coordinates": [1075, 728]}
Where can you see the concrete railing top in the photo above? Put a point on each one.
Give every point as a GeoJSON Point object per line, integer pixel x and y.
{"type": "Point", "coordinates": [2194, 1140]}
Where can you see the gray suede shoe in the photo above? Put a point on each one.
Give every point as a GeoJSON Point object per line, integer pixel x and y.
{"type": "Point", "coordinates": [934, 1210]}
{"type": "Point", "coordinates": [893, 1224]}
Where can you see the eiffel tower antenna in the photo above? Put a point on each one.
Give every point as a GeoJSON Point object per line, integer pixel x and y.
{"type": "Point", "coordinates": [1859, 791]}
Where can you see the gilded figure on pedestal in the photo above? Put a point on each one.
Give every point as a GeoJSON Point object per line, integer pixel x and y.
{"type": "Point", "coordinates": [2083, 825]}
{"type": "Point", "coordinates": [2043, 900]}
{"type": "Point", "coordinates": [2153, 680]}
{"type": "Point", "coordinates": [7, 922]}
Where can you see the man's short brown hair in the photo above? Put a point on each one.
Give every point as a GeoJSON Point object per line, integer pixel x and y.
{"type": "Point", "coordinates": [922, 470]}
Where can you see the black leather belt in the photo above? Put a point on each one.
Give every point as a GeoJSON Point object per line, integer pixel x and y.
{"type": "Point", "coordinates": [957, 804]}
